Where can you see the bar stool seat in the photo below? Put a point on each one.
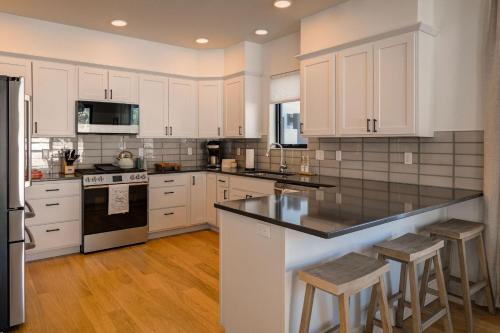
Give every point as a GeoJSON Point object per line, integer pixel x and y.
{"type": "Point", "coordinates": [343, 277]}
{"type": "Point", "coordinates": [410, 250]}
{"type": "Point", "coordinates": [459, 232]}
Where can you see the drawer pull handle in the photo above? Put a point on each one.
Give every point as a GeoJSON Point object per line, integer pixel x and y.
{"type": "Point", "coordinates": [166, 214]}
{"type": "Point", "coordinates": [52, 190]}
{"type": "Point", "coordinates": [222, 181]}
{"type": "Point", "coordinates": [52, 230]}
{"type": "Point", "coordinates": [52, 204]}
{"type": "Point", "coordinates": [169, 181]}
{"type": "Point", "coordinates": [169, 192]}
{"type": "Point", "coordinates": [248, 196]}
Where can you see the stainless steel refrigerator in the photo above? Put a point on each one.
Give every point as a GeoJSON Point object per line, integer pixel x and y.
{"type": "Point", "coordinates": [15, 175]}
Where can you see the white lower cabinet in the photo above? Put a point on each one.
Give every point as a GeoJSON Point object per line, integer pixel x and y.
{"type": "Point", "coordinates": [167, 218]}
{"type": "Point", "coordinates": [211, 198]}
{"type": "Point", "coordinates": [197, 202]}
{"type": "Point", "coordinates": [56, 228]}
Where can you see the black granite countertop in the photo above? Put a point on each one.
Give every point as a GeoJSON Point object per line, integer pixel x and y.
{"type": "Point", "coordinates": [350, 206]}
{"type": "Point", "coordinates": [56, 177]}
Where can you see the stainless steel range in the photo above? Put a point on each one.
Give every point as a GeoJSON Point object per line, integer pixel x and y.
{"type": "Point", "coordinates": [115, 207]}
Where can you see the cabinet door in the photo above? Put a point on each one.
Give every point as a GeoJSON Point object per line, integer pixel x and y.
{"type": "Point", "coordinates": [355, 90]}
{"type": "Point", "coordinates": [198, 203]}
{"type": "Point", "coordinates": [182, 110]}
{"type": "Point", "coordinates": [234, 107]}
{"type": "Point", "coordinates": [222, 193]}
{"type": "Point", "coordinates": [54, 91]}
{"type": "Point", "coordinates": [211, 199]}
{"type": "Point", "coordinates": [123, 87]}
{"type": "Point", "coordinates": [210, 109]}
{"type": "Point", "coordinates": [11, 66]}
{"type": "Point", "coordinates": [153, 101]}
{"type": "Point", "coordinates": [92, 83]}
{"type": "Point", "coordinates": [318, 95]}
{"type": "Point", "coordinates": [394, 108]}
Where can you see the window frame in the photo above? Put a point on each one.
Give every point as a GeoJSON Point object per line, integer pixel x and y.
{"type": "Point", "coordinates": [277, 122]}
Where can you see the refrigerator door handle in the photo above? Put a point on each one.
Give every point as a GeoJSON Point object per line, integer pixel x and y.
{"type": "Point", "coordinates": [32, 242]}
{"type": "Point", "coordinates": [31, 212]}
{"type": "Point", "coordinates": [28, 132]}
{"type": "Point", "coordinates": [16, 143]}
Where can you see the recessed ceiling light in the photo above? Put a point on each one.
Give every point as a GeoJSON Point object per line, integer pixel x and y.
{"type": "Point", "coordinates": [282, 3]}
{"type": "Point", "coordinates": [261, 32]}
{"type": "Point", "coordinates": [202, 40]}
{"type": "Point", "coordinates": [119, 23]}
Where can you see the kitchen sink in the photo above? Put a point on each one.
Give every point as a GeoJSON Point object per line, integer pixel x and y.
{"type": "Point", "coordinates": [263, 173]}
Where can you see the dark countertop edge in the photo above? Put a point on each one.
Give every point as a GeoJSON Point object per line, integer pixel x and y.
{"type": "Point", "coordinates": [348, 230]}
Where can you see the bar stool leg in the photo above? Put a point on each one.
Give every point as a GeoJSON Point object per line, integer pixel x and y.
{"type": "Point", "coordinates": [384, 306]}
{"type": "Point", "coordinates": [401, 302]}
{"type": "Point", "coordinates": [307, 309]}
{"type": "Point", "coordinates": [416, 316]}
{"type": "Point", "coordinates": [372, 309]}
{"type": "Point", "coordinates": [424, 282]}
{"type": "Point", "coordinates": [447, 262]}
{"type": "Point", "coordinates": [443, 297]}
{"type": "Point", "coordinates": [465, 285]}
{"type": "Point", "coordinates": [344, 313]}
{"type": "Point", "coordinates": [486, 273]}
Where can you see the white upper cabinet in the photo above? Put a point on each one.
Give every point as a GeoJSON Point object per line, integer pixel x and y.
{"type": "Point", "coordinates": [11, 66]}
{"type": "Point", "coordinates": [234, 90]}
{"type": "Point", "coordinates": [182, 111]}
{"type": "Point", "coordinates": [210, 109]}
{"type": "Point", "coordinates": [317, 77]}
{"type": "Point", "coordinates": [98, 84]}
{"type": "Point", "coordinates": [394, 85]}
{"type": "Point", "coordinates": [123, 87]}
{"type": "Point", "coordinates": [92, 83]}
{"type": "Point", "coordinates": [242, 107]}
{"type": "Point", "coordinates": [54, 92]}
{"type": "Point", "coordinates": [153, 105]}
{"type": "Point", "coordinates": [355, 90]}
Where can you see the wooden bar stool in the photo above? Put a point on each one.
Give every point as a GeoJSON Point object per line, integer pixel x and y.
{"type": "Point", "coordinates": [344, 277]}
{"type": "Point", "coordinates": [410, 250]}
{"type": "Point", "coordinates": [459, 232]}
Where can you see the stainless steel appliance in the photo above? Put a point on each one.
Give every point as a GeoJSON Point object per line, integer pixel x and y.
{"type": "Point", "coordinates": [214, 154]}
{"type": "Point", "coordinates": [15, 175]}
{"type": "Point", "coordinates": [107, 118]}
{"type": "Point", "coordinates": [104, 231]}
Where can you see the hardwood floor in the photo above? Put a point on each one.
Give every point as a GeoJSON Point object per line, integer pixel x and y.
{"type": "Point", "coordinates": [167, 285]}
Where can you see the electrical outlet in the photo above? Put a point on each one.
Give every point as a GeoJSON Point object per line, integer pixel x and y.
{"type": "Point", "coordinates": [338, 155]}
{"type": "Point", "coordinates": [190, 151]}
{"type": "Point", "coordinates": [238, 151]}
{"type": "Point", "coordinates": [320, 155]}
{"type": "Point", "coordinates": [408, 207]}
{"type": "Point", "coordinates": [264, 230]}
{"type": "Point", "coordinates": [320, 195]}
{"type": "Point", "coordinates": [408, 158]}
{"type": "Point", "coordinates": [338, 198]}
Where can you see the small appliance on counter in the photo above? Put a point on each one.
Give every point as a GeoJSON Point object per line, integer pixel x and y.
{"type": "Point", "coordinates": [214, 154]}
{"type": "Point", "coordinates": [68, 163]}
{"type": "Point", "coordinates": [125, 160]}
{"type": "Point", "coordinates": [229, 163]}
{"type": "Point", "coordinates": [250, 159]}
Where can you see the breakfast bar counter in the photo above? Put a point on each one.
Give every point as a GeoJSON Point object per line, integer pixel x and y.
{"type": "Point", "coordinates": [265, 241]}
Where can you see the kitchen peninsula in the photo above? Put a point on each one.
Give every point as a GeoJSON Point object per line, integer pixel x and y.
{"type": "Point", "coordinates": [265, 242]}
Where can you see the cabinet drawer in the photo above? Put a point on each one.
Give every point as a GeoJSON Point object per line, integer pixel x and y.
{"type": "Point", "coordinates": [252, 185]}
{"type": "Point", "coordinates": [55, 236]}
{"type": "Point", "coordinates": [222, 181]}
{"type": "Point", "coordinates": [167, 180]}
{"type": "Point", "coordinates": [164, 197]}
{"type": "Point", "coordinates": [53, 190]}
{"type": "Point", "coordinates": [169, 218]}
{"type": "Point", "coordinates": [55, 210]}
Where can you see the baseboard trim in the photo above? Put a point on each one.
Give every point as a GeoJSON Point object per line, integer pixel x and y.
{"type": "Point", "coordinates": [173, 232]}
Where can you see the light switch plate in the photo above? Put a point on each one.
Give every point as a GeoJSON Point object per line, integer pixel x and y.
{"type": "Point", "coordinates": [320, 155]}
{"type": "Point", "coordinates": [238, 151]}
{"type": "Point", "coordinates": [408, 158]}
{"type": "Point", "coordinates": [338, 155]}
{"type": "Point", "coordinates": [264, 230]}
{"type": "Point", "coordinates": [190, 151]}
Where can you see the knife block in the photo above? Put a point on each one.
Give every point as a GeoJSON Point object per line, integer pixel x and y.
{"type": "Point", "coordinates": [67, 169]}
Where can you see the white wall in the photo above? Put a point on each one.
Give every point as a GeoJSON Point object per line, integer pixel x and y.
{"type": "Point", "coordinates": [27, 36]}
{"type": "Point", "coordinates": [458, 46]}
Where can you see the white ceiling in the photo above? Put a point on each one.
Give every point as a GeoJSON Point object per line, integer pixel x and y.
{"type": "Point", "coordinates": [178, 22]}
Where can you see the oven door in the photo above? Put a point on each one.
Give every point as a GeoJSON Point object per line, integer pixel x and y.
{"type": "Point", "coordinates": [109, 118]}
{"type": "Point", "coordinates": [95, 210]}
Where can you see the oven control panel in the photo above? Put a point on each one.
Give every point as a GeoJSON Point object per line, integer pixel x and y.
{"type": "Point", "coordinates": [115, 178]}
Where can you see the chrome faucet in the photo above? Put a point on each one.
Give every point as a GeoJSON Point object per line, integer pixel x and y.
{"type": "Point", "coordinates": [283, 165]}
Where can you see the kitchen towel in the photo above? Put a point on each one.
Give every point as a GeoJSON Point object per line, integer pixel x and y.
{"type": "Point", "coordinates": [118, 199]}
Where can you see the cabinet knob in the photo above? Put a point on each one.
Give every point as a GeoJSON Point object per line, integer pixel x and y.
{"type": "Point", "coordinates": [110, 93]}
{"type": "Point", "coordinates": [105, 93]}
{"type": "Point", "coordinates": [239, 130]}
{"type": "Point", "coordinates": [368, 125]}
{"type": "Point", "coordinates": [375, 126]}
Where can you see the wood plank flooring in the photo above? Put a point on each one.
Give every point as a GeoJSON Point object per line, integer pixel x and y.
{"type": "Point", "coordinates": [167, 285]}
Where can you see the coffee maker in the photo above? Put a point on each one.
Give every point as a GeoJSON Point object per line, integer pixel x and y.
{"type": "Point", "coordinates": [214, 154]}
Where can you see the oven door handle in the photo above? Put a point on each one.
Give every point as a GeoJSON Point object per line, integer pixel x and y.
{"type": "Point", "coordinates": [91, 187]}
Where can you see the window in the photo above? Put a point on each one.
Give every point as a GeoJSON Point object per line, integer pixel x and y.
{"type": "Point", "coordinates": [288, 125]}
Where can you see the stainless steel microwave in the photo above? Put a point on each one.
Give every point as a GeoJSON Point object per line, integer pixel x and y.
{"type": "Point", "coordinates": [107, 118]}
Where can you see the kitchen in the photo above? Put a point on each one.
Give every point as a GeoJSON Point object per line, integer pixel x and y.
{"type": "Point", "coordinates": [195, 179]}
